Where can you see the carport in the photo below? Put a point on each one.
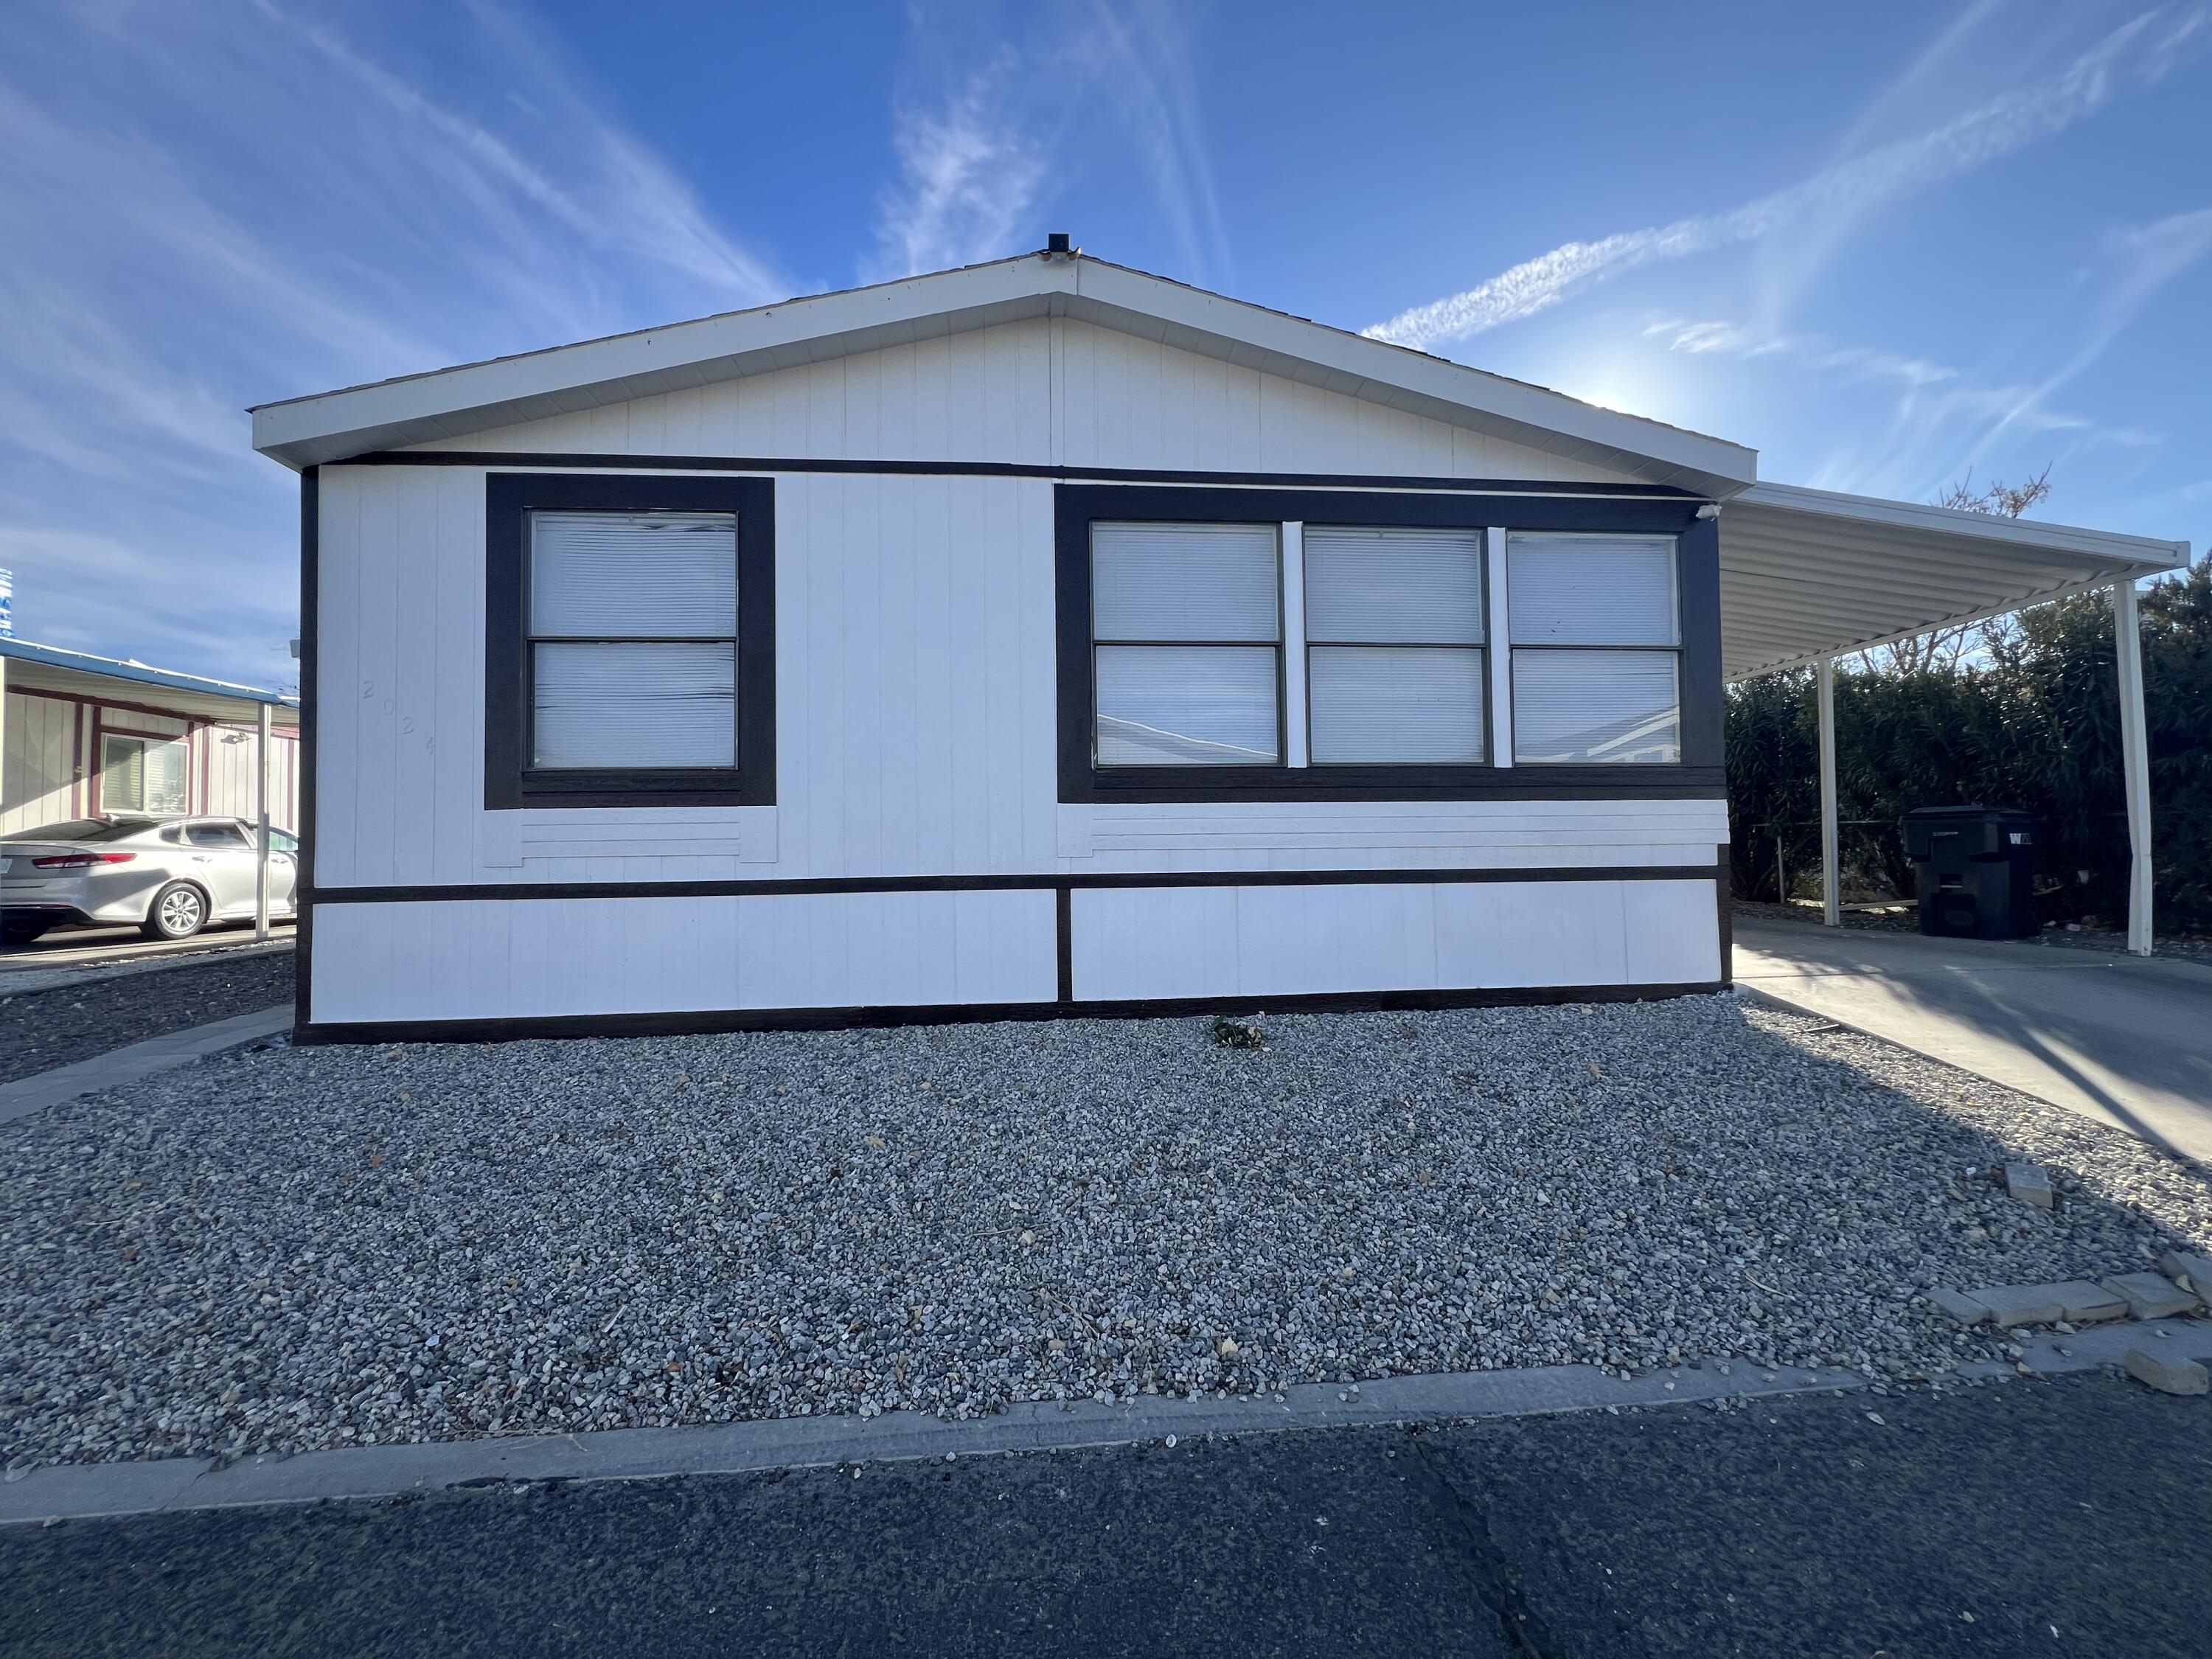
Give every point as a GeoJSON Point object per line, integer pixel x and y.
{"type": "Point", "coordinates": [59, 709]}
{"type": "Point", "coordinates": [1809, 576]}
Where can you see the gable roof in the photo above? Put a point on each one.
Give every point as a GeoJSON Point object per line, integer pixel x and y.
{"type": "Point", "coordinates": [452, 403]}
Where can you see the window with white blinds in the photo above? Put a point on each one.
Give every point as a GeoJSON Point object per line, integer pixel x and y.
{"type": "Point", "coordinates": [632, 640]}
{"type": "Point", "coordinates": [1597, 649]}
{"type": "Point", "coordinates": [1394, 635]}
{"type": "Point", "coordinates": [1186, 644]}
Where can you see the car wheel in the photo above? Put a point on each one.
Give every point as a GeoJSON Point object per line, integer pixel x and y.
{"type": "Point", "coordinates": [23, 933]}
{"type": "Point", "coordinates": [180, 911]}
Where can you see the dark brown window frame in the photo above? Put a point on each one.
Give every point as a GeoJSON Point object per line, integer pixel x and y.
{"type": "Point", "coordinates": [1697, 776]}
{"type": "Point", "coordinates": [510, 782]}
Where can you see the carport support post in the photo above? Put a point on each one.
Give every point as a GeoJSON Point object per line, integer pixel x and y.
{"type": "Point", "coordinates": [2134, 764]}
{"type": "Point", "coordinates": [1832, 909]}
{"type": "Point", "coordinates": [261, 819]}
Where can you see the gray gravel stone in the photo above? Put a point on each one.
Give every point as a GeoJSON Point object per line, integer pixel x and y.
{"type": "Point", "coordinates": [334, 1246]}
{"type": "Point", "coordinates": [2167, 1376]}
{"type": "Point", "coordinates": [44, 1029]}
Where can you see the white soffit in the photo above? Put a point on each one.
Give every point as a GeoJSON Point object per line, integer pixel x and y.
{"type": "Point", "coordinates": [453, 402]}
{"type": "Point", "coordinates": [1807, 573]}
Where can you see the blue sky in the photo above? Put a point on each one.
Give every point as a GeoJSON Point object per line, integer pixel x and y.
{"type": "Point", "coordinates": [1884, 244]}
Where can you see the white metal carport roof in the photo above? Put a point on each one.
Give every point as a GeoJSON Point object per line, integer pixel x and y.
{"type": "Point", "coordinates": [1807, 573]}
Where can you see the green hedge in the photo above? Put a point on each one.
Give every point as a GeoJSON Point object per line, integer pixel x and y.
{"type": "Point", "coordinates": [2031, 720]}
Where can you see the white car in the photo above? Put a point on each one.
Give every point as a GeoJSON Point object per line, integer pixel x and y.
{"type": "Point", "coordinates": [170, 877]}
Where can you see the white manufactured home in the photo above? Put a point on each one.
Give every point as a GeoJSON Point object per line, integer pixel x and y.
{"type": "Point", "coordinates": [1042, 637]}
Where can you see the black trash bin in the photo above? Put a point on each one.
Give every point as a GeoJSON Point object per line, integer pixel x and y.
{"type": "Point", "coordinates": [1974, 868]}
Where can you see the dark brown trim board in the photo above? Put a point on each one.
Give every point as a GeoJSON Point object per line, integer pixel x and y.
{"type": "Point", "coordinates": [549, 460]}
{"type": "Point", "coordinates": [303, 891]}
{"type": "Point", "coordinates": [1700, 775]}
{"type": "Point", "coordinates": [473, 892]}
{"type": "Point", "coordinates": [509, 782]}
{"type": "Point", "coordinates": [819, 1019]}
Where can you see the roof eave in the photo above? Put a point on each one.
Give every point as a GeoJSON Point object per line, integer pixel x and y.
{"type": "Point", "coordinates": [479, 397]}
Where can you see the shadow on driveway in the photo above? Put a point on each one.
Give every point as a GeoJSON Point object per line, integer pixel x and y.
{"type": "Point", "coordinates": [2125, 1041]}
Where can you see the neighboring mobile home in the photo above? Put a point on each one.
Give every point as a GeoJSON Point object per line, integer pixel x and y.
{"type": "Point", "coordinates": [1038, 637]}
{"type": "Point", "coordinates": [84, 735]}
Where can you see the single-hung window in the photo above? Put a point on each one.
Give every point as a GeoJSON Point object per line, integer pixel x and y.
{"type": "Point", "coordinates": [1394, 645]}
{"type": "Point", "coordinates": [633, 640]}
{"type": "Point", "coordinates": [630, 640]}
{"type": "Point", "coordinates": [1597, 649]}
{"type": "Point", "coordinates": [1187, 644]}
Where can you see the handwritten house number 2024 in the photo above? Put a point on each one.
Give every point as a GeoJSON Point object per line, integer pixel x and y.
{"type": "Point", "coordinates": [406, 721]}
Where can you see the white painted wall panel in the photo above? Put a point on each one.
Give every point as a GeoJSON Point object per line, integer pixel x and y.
{"type": "Point", "coordinates": [1113, 400]}
{"type": "Point", "coordinates": [915, 702]}
{"type": "Point", "coordinates": [38, 766]}
{"type": "Point", "coordinates": [485, 959]}
{"type": "Point", "coordinates": [230, 781]}
{"type": "Point", "coordinates": [1670, 933]}
{"type": "Point", "coordinates": [1142, 943]}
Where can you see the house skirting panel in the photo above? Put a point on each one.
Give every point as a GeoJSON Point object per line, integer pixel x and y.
{"type": "Point", "coordinates": [468, 968]}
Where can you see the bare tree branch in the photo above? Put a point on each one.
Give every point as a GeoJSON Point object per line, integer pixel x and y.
{"type": "Point", "coordinates": [1944, 650]}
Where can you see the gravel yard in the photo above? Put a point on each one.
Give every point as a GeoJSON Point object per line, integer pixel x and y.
{"type": "Point", "coordinates": [291, 1249]}
{"type": "Point", "coordinates": [41, 1029]}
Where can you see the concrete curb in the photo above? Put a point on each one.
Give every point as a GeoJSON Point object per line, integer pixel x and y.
{"type": "Point", "coordinates": [112, 1070]}
{"type": "Point", "coordinates": [101, 1490]}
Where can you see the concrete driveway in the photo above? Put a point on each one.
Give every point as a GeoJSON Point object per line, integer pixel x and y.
{"type": "Point", "coordinates": [2122, 1039]}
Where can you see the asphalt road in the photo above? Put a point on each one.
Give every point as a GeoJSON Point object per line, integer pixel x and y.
{"type": "Point", "coordinates": [2023, 1518]}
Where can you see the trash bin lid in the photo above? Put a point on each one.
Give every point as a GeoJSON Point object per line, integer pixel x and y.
{"type": "Point", "coordinates": [1967, 814]}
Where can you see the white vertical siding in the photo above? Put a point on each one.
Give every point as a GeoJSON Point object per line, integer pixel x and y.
{"type": "Point", "coordinates": [40, 762]}
{"type": "Point", "coordinates": [229, 773]}
{"type": "Point", "coordinates": [915, 703]}
{"type": "Point", "coordinates": [1115, 400]}
{"type": "Point", "coordinates": [913, 689]}
{"type": "Point", "coordinates": [916, 731]}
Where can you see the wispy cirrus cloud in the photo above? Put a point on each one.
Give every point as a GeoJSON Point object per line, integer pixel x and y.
{"type": "Point", "coordinates": [210, 207]}
{"type": "Point", "coordinates": [977, 154]}
{"type": "Point", "coordinates": [2139, 53]}
{"type": "Point", "coordinates": [1728, 339]}
{"type": "Point", "coordinates": [969, 169]}
{"type": "Point", "coordinates": [2137, 264]}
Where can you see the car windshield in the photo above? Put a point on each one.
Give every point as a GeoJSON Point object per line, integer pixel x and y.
{"type": "Point", "coordinates": [83, 830]}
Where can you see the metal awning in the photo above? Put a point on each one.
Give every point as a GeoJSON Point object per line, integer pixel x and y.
{"type": "Point", "coordinates": [31, 667]}
{"type": "Point", "coordinates": [1808, 573]}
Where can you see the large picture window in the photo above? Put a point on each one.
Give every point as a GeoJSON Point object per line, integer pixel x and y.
{"type": "Point", "coordinates": [1253, 642]}
{"type": "Point", "coordinates": [630, 640]}
{"type": "Point", "coordinates": [1596, 672]}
